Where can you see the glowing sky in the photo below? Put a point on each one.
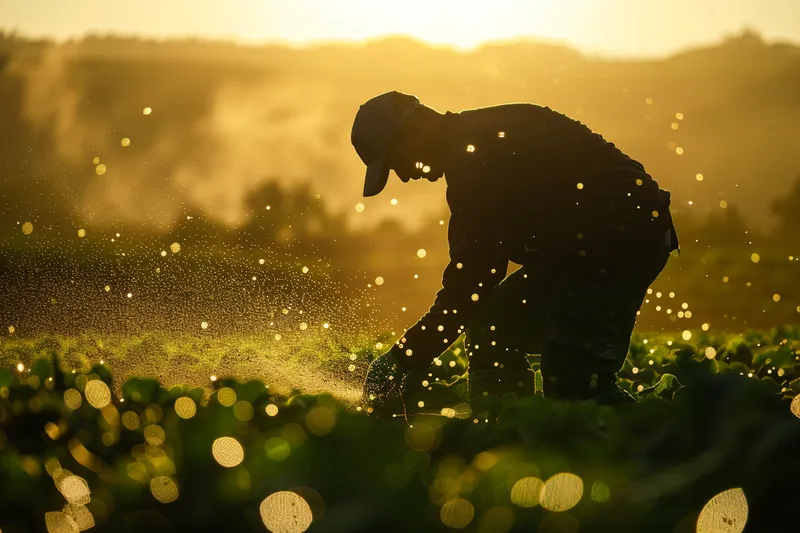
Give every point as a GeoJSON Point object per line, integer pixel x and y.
{"type": "Point", "coordinates": [610, 27]}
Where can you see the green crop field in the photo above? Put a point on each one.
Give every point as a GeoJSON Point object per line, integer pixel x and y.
{"type": "Point", "coordinates": [711, 446]}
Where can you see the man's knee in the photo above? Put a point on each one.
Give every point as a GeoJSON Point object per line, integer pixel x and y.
{"type": "Point", "coordinates": [575, 373]}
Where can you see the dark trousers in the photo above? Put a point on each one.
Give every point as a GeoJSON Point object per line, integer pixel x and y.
{"type": "Point", "coordinates": [579, 317]}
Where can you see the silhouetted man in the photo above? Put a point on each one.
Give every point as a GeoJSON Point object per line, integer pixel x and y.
{"type": "Point", "coordinates": [529, 185]}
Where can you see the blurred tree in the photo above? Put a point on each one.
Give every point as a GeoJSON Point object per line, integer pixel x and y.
{"type": "Point", "coordinates": [787, 210]}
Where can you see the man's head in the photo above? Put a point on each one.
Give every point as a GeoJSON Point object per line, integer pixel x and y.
{"type": "Point", "coordinates": [395, 131]}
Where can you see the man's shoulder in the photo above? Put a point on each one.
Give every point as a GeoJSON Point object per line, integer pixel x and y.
{"type": "Point", "coordinates": [501, 111]}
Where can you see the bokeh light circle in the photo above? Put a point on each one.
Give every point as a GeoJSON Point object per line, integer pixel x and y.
{"type": "Point", "coordinates": [526, 492]}
{"type": "Point", "coordinates": [286, 512]}
{"type": "Point", "coordinates": [226, 396]}
{"type": "Point", "coordinates": [97, 394]}
{"type": "Point", "coordinates": [320, 421]}
{"type": "Point", "coordinates": [227, 452]}
{"type": "Point", "coordinates": [164, 489]}
{"type": "Point", "coordinates": [561, 492]}
{"type": "Point", "coordinates": [130, 420]}
{"type": "Point", "coordinates": [185, 407]}
{"type": "Point", "coordinates": [795, 406]}
{"type": "Point", "coordinates": [75, 490]}
{"type": "Point", "coordinates": [724, 513]}
{"type": "Point", "coordinates": [155, 435]}
{"type": "Point", "coordinates": [72, 399]}
{"type": "Point", "coordinates": [81, 515]}
{"type": "Point", "coordinates": [457, 513]}
{"type": "Point", "coordinates": [60, 523]}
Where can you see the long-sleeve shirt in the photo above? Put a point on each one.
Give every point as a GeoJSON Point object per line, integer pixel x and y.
{"type": "Point", "coordinates": [526, 182]}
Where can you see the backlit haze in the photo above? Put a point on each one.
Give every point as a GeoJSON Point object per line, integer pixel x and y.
{"type": "Point", "coordinates": [611, 27]}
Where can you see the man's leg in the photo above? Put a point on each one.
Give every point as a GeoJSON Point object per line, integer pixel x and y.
{"type": "Point", "coordinates": [506, 329]}
{"type": "Point", "coordinates": [589, 327]}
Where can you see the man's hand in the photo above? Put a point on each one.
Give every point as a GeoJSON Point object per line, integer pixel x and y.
{"type": "Point", "coordinates": [383, 384]}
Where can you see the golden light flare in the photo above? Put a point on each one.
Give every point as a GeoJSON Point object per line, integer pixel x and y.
{"type": "Point", "coordinates": [227, 452]}
{"type": "Point", "coordinates": [175, 247]}
{"type": "Point", "coordinates": [286, 512]}
{"type": "Point", "coordinates": [724, 513]}
{"type": "Point", "coordinates": [561, 492]}
{"type": "Point", "coordinates": [147, 111]}
{"type": "Point", "coordinates": [81, 233]}
{"type": "Point", "coordinates": [27, 228]}
{"type": "Point", "coordinates": [271, 409]}
{"type": "Point", "coordinates": [100, 169]}
{"type": "Point", "coordinates": [421, 253]}
{"type": "Point", "coordinates": [125, 142]}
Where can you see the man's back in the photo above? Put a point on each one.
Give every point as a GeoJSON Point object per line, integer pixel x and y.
{"type": "Point", "coordinates": [533, 173]}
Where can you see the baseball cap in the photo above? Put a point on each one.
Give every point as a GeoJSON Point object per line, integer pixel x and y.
{"type": "Point", "coordinates": [374, 127]}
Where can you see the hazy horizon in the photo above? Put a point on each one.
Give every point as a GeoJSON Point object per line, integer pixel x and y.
{"type": "Point", "coordinates": [611, 28]}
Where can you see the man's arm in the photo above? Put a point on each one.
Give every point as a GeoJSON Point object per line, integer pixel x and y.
{"type": "Point", "coordinates": [478, 262]}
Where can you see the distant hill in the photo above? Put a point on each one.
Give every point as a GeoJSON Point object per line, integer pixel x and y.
{"type": "Point", "coordinates": [227, 118]}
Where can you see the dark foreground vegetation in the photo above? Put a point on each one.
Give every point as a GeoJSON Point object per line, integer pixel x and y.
{"type": "Point", "coordinates": [716, 416]}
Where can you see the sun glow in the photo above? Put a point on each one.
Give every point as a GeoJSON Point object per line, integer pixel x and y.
{"type": "Point", "coordinates": [464, 24]}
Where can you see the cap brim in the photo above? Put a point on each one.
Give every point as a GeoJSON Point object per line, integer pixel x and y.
{"type": "Point", "coordinates": [377, 175]}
